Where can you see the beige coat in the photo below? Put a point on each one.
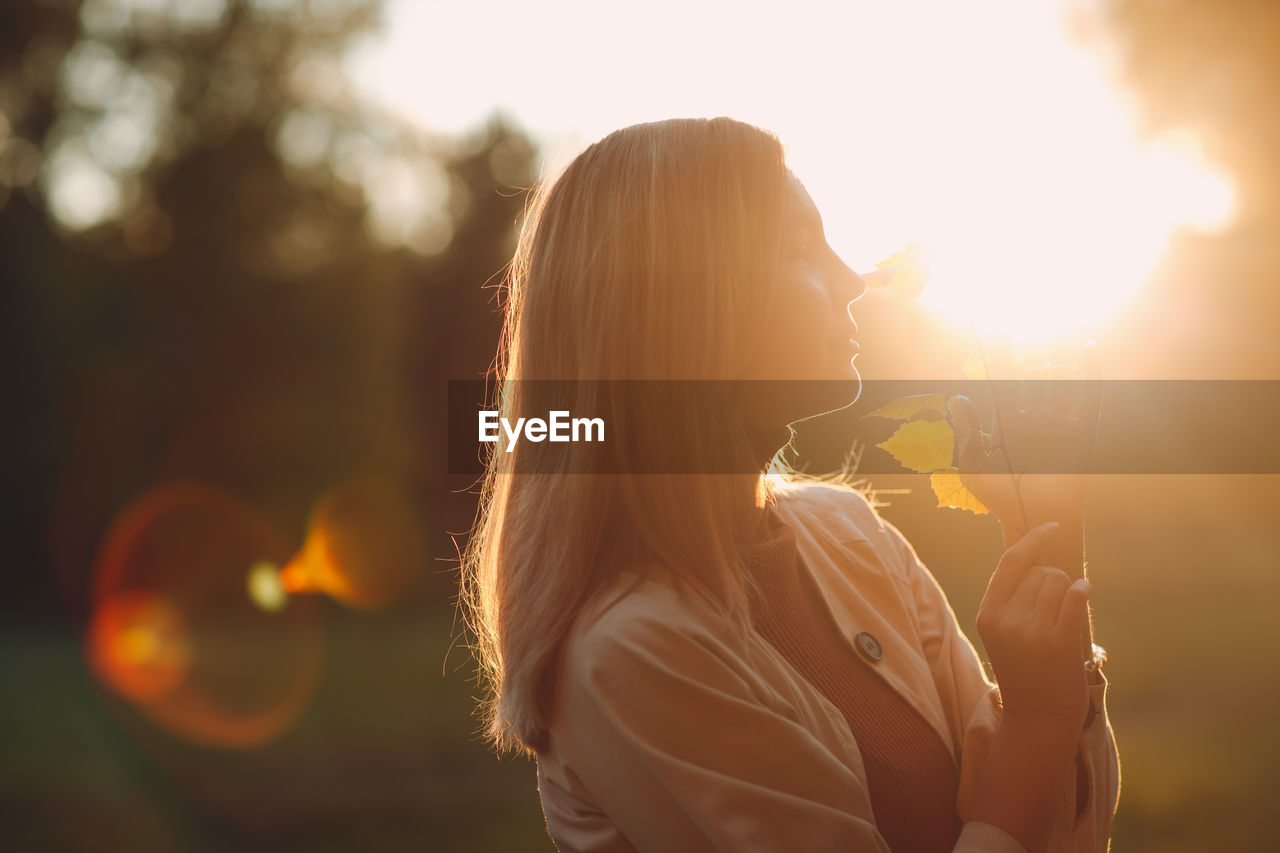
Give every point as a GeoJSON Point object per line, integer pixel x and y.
{"type": "Point", "coordinates": [671, 735]}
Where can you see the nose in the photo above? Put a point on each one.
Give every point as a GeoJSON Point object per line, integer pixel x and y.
{"type": "Point", "coordinates": [859, 285]}
{"type": "Point", "coordinates": [853, 288]}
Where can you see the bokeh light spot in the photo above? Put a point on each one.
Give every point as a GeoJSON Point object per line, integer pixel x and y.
{"type": "Point", "coordinates": [264, 587]}
{"type": "Point", "coordinates": [138, 646]}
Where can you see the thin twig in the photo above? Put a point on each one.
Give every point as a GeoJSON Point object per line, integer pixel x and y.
{"type": "Point", "coordinates": [995, 405]}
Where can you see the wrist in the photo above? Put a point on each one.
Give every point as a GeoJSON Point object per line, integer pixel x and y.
{"type": "Point", "coordinates": [1021, 783]}
{"type": "Point", "coordinates": [1044, 729]}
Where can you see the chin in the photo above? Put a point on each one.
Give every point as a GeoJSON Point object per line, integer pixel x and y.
{"type": "Point", "coordinates": [847, 372]}
{"type": "Point", "coordinates": [833, 392]}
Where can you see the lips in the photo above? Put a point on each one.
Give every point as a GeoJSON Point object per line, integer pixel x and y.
{"type": "Point", "coordinates": [848, 344]}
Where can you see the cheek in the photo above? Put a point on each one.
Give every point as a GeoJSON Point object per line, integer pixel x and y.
{"type": "Point", "coordinates": [800, 329]}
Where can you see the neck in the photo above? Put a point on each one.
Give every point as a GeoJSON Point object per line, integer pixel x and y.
{"type": "Point", "coordinates": [765, 443]}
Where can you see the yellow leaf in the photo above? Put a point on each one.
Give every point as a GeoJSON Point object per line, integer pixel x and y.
{"type": "Point", "coordinates": [909, 281]}
{"type": "Point", "coordinates": [951, 491]}
{"type": "Point", "coordinates": [905, 271]}
{"type": "Point", "coordinates": [973, 368]}
{"type": "Point", "coordinates": [908, 408]}
{"type": "Point", "coordinates": [921, 445]}
{"type": "Point", "coordinates": [898, 258]}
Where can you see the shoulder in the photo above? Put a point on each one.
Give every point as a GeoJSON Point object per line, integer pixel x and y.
{"type": "Point", "coordinates": [837, 509]}
{"type": "Point", "coordinates": [827, 497]}
{"type": "Point", "coordinates": [848, 524]}
{"type": "Point", "coordinates": [647, 623]}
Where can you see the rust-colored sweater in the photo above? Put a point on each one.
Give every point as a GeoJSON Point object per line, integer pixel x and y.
{"type": "Point", "coordinates": [911, 774]}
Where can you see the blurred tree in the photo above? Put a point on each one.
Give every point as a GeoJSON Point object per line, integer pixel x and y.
{"type": "Point", "coordinates": [219, 265]}
{"type": "Point", "coordinates": [1211, 67]}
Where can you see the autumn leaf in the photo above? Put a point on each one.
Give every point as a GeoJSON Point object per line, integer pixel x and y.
{"type": "Point", "coordinates": [926, 443]}
{"type": "Point", "coordinates": [951, 491]}
{"type": "Point", "coordinates": [905, 271]}
{"type": "Point", "coordinates": [921, 445]}
{"type": "Point", "coordinates": [910, 408]}
{"type": "Point", "coordinates": [897, 259]}
{"type": "Point", "coordinates": [909, 282]}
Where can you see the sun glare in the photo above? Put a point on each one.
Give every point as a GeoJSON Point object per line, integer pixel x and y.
{"type": "Point", "coordinates": [980, 129]}
{"type": "Point", "coordinates": [1061, 252]}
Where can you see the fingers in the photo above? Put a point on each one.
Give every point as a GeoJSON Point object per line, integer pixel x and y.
{"type": "Point", "coordinates": [1028, 593]}
{"type": "Point", "coordinates": [1075, 607]}
{"type": "Point", "coordinates": [1048, 602]}
{"type": "Point", "coordinates": [1017, 561]}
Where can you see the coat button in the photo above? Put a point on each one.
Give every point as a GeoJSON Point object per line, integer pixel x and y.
{"type": "Point", "coordinates": [869, 646]}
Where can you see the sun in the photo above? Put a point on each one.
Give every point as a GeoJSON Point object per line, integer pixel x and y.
{"type": "Point", "coordinates": [1058, 253]}
{"type": "Point", "coordinates": [987, 132]}
{"type": "Point", "coordinates": [1043, 206]}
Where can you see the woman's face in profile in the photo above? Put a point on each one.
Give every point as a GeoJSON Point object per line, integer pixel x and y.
{"type": "Point", "coordinates": [811, 329]}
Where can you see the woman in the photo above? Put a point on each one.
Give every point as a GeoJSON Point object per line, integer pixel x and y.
{"type": "Point", "coordinates": [729, 659]}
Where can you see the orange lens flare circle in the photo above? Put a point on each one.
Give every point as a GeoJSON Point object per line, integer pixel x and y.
{"type": "Point", "coordinates": [365, 545]}
{"type": "Point", "coordinates": [175, 632]}
{"type": "Point", "coordinates": [138, 646]}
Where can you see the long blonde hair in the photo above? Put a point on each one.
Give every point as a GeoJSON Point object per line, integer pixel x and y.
{"type": "Point", "coordinates": [652, 255]}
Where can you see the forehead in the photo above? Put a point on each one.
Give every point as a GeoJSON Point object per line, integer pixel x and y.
{"type": "Point", "coordinates": [800, 206]}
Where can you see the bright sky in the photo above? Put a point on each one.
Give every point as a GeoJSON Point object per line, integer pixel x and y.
{"type": "Point", "coordinates": [978, 128]}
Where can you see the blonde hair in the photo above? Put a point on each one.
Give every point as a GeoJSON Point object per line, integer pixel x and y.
{"type": "Point", "coordinates": [652, 255]}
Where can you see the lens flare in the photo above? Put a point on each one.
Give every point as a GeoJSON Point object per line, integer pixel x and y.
{"type": "Point", "coordinates": [264, 586]}
{"type": "Point", "coordinates": [365, 545]}
{"type": "Point", "coordinates": [175, 632]}
{"type": "Point", "coordinates": [139, 646]}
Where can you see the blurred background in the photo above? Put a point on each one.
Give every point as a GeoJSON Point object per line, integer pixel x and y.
{"type": "Point", "coordinates": [245, 243]}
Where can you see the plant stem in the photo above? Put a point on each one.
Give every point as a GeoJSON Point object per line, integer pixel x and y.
{"type": "Point", "coordinates": [986, 369]}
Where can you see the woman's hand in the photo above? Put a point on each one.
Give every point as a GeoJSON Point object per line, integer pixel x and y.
{"type": "Point", "coordinates": [1033, 469]}
{"type": "Point", "coordinates": [1030, 621]}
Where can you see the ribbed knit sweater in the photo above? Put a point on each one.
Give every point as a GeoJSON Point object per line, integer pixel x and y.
{"type": "Point", "coordinates": [910, 771]}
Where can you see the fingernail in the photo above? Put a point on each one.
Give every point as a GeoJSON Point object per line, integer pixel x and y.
{"type": "Point", "coordinates": [1051, 525]}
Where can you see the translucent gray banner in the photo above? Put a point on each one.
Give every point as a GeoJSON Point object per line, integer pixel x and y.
{"type": "Point", "coordinates": [687, 426]}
